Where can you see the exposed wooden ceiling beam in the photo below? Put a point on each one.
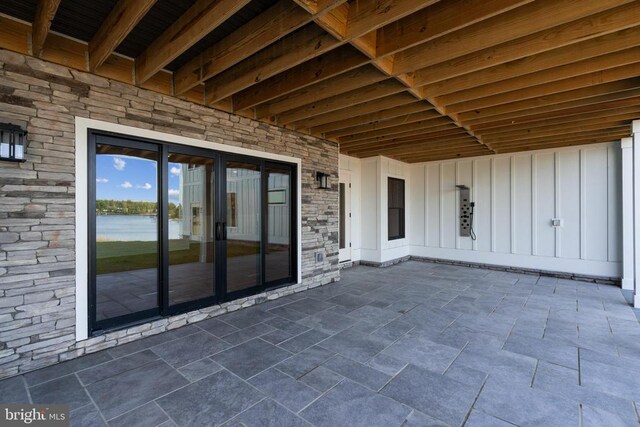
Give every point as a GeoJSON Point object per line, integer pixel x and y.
{"type": "Point", "coordinates": [434, 158]}
{"type": "Point", "coordinates": [609, 21]}
{"type": "Point", "coordinates": [551, 101]}
{"type": "Point", "coordinates": [523, 21]}
{"type": "Point", "coordinates": [558, 109]}
{"type": "Point", "coordinates": [608, 135]}
{"type": "Point", "coordinates": [564, 56]}
{"type": "Point", "coordinates": [371, 119]}
{"type": "Point", "coordinates": [124, 16]}
{"type": "Point", "coordinates": [344, 100]}
{"type": "Point", "coordinates": [593, 139]}
{"type": "Point", "coordinates": [425, 135]}
{"type": "Point", "coordinates": [198, 21]}
{"type": "Point", "coordinates": [438, 20]}
{"type": "Point", "coordinates": [388, 123]}
{"type": "Point", "coordinates": [45, 12]}
{"type": "Point", "coordinates": [284, 54]}
{"type": "Point", "coordinates": [537, 91]}
{"type": "Point", "coordinates": [356, 110]}
{"type": "Point", "coordinates": [368, 15]}
{"type": "Point", "coordinates": [420, 125]}
{"type": "Point", "coordinates": [582, 68]}
{"type": "Point", "coordinates": [560, 116]}
{"type": "Point", "coordinates": [265, 29]}
{"type": "Point", "coordinates": [563, 128]}
{"type": "Point", "coordinates": [574, 132]}
{"type": "Point", "coordinates": [417, 145]}
{"type": "Point", "coordinates": [345, 82]}
{"type": "Point", "coordinates": [321, 68]}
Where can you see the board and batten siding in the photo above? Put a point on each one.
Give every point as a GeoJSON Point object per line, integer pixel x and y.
{"type": "Point", "coordinates": [516, 197]}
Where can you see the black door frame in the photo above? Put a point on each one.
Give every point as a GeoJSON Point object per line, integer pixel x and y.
{"type": "Point", "coordinates": [220, 158]}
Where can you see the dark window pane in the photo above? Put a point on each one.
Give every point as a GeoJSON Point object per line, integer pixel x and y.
{"type": "Point", "coordinates": [126, 231]}
{"type": "Point", "coordinates": [190, 201]}
{"type": "Point", "coordinates": [395, 215]}
{"type": "Point", "coordinates": [279, 215]}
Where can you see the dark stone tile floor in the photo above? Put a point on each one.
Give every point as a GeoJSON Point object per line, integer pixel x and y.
{"type": "Point", "coordinates": [415, 344]}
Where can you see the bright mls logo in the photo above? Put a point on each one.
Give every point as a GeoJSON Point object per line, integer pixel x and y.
{"type": "Point", "coordinates": [34, 415]}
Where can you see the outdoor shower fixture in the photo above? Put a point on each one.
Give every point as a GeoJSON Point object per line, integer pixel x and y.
{"type": "Point", "coordinates": [466, 212]}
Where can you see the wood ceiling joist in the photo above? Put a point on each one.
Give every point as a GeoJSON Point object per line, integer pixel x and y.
{"type": "Point", "coordinates": [552, 102]}
{"type": "Point", "coordinates": [198, 21]}
{"type": "Point", "coordinates": [124, 16]}
{"type": "Point", "coordinates": [369, 15]}
{"type": "Point", "coordinates": [606, 123]}
{"type": "Point", "coordinates": [265, 29]}
{"type": "Point", "coordinates": [372, 119]}
{"type": "Point", "coordinates": [450, 133]}
{"type": "Point", "coordinates": [434, 150]}
{"type": "Point", "coordinates": [438, 20]}
{"type": "Point", "coordinates": [574, 133]}
{"type": "Point", "coordinates": [583, 51]}
{"type": "Point", "coordinates": [280, 56]}
{"type": "Point", "coordinates": [453, 154]}
{"type": "Point", "coordinates": [419, 145]}
{"type": "Point", "coordinates": [609, 21]}
{"type": "Point", "coordinates": [556, 110]}
{"type": "Point", "coordinates": [560, 116]}
{"type": "Point", "coordinates": [356, 110]}
{"type": "Point", "coordinates": [563, 120]}
{"type": "Point", "coordinates": [595, 139]}
{"type": "Point", "coordinates": [45, 12]}
{"type": "Point", "coordinates": [432, 123]}
{"type": "Point", "coordinates": [386, 124]}
{"type": "Point", "coordinates": [520, 22]}
{"type": "Point", "coordinates": [337, 102]}
{"type": "Point", "coordinates": [316, 70]}
{"type": "Point", "coordinates": [345, 82]}
{"type": "Point", "coordinates": [585, 67]}
{"type": "Point", "coordinates": [536, 91]}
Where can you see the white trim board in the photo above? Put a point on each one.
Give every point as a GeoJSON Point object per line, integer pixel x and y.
{"type": "Point", "coordinates": [82, 127]}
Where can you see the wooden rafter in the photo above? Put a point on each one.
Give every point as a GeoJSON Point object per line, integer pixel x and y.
{"type": "Point", "coordinates": [124, 16]}
{"type": "Point", "coordinates": [321, 68]}
{"type": "Point", "coordinates": [198, 21]}
{"type": "Point", "coordinates": [45, 12]}
{"type": "Point", "coordinates": [268, 27]}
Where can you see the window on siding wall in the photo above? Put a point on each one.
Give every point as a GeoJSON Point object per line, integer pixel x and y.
{"type": "Point", "coordinates": [395, 217]}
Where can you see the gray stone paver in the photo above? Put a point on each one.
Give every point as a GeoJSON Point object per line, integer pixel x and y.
{"type": "Point", "coordinates": [413, 344]}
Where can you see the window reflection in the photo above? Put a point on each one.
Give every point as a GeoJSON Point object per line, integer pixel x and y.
{"type": "Point", "coordinates": [191, 228]}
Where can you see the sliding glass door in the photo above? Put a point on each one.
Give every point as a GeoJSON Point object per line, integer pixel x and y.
{"type": "Point", "coordinates": [126, 230]}
{"type": "Point", "coordinates": [191, 204]}
{"type": "Point", "coordinates": [176, 228]}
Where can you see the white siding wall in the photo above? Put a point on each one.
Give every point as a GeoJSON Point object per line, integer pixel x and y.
{"type": "Point", "coordinates": [516, 197]}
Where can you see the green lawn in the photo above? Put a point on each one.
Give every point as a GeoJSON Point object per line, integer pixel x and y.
{"type": "Point", "coordinates": [113, 257]}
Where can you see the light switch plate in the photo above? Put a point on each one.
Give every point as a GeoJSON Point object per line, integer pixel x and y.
{"type": "Point", "coordinates": [556, 222]}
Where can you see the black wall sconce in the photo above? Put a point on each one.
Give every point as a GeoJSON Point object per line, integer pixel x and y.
{"type": "Point", "coordinates": [13, 143]}
{"type": "Point", "coordinates": [323, 180]}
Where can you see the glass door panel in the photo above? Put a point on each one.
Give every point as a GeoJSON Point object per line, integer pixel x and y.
{"type": "Point", "coordinates": [278, 266]}
{"type": "Point", "coordinates": [126, 231]}
{"type": "Point", "coordinates": [242, 229]}
{"type": "Point", "coordinates": [191, 245]}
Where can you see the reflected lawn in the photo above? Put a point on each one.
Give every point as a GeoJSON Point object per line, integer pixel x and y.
{"type": "Point", "coordinates": [114, 257]}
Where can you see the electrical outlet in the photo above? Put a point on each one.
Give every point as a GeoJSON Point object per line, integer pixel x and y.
{"type": "Point", "coordinates": [556, 222]}
{"type": "Point", "coordinates": [319, 257]}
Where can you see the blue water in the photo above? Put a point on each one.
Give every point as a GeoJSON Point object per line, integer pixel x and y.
{"type": "Point", "coordinates": [133, 227]}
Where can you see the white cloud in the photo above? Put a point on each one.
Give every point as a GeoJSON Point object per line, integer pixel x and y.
{"type": "Point", "coordinates": [175, 170]}
{"type": "Point", "coordinates": [126, 184]}
{"type": "Point", "coordinates": [146, 186]}
{"type": "Point", "coordinates": [102, 180]}
{"type": "Point", "coordinates": [173, 192]}
{"type": "Point", "coordinates": [119, 163]}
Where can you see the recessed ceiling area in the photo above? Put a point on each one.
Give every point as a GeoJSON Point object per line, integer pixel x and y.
{"type": "Point", "coordinates": [411, 80]}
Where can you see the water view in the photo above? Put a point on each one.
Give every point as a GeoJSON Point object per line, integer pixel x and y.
{"type": "Point", "coordinates": [133, 228]}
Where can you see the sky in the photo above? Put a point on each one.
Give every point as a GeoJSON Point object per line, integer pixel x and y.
{"type": "Point", "coordinates": [132, 178]}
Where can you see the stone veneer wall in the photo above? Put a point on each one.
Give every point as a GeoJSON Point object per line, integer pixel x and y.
{"type": "Point", "coordinates": [37, 256]}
